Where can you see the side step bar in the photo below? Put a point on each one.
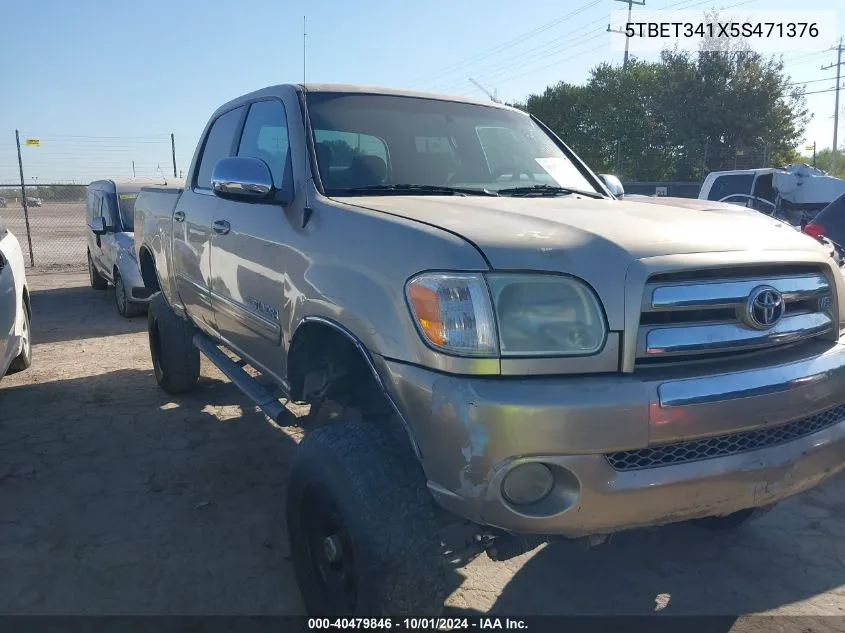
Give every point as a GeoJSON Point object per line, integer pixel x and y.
{"type": "Point", "coordinates": [256, 392]}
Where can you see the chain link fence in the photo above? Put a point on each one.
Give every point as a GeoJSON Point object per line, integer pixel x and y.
{"type": "Point", "coordinates": [57, 232]}
{"type": "Point", "coordinates": [56, 171]}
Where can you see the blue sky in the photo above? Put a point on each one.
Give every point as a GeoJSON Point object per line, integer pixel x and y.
{"type": "Point", "coordinates": [103, 83]}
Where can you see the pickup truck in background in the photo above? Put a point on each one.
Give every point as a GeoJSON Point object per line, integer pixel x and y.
{"type": "Point", "coordinates": [495, 349]}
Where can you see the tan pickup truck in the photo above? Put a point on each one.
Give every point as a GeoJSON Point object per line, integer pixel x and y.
{"type": "Point", "coordinates": [493, 344]}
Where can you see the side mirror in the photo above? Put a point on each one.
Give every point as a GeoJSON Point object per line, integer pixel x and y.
{"type": "Point", "coordinates": [98, 225]}
{"type": "Point", "coordinates": [612, 183]}
{"type": "Point", "coordinates": [242, 178]}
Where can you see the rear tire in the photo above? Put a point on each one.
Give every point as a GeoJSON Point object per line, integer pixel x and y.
{"type": "Point", "coordinates": [98, 282]}
{"type": "Point", "coordinates": [732, 521]}
{"type": "Point", "coordinates": [361, 522]}
{"type": "Point", "coordinates": [24, 359]}
{"type": "Point", "coordinates": [125, 307]}
{"type": "Point", "coordinates": [176, 362]}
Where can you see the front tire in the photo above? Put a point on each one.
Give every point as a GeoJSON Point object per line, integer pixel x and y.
{"type": "Point", "coordinates": [98, 282]}
{"type": "Point", "coordinates": [125, 307]}
{"type": "Point", "coordinates": [176, 362]}
{"type": "Point", "coordinates": [24, 359]}
{"type": "Point", "coordinates": [362, 528]}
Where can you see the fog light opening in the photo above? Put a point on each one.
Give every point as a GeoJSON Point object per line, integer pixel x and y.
{"type": "Point", "coordinates": [527, 483]}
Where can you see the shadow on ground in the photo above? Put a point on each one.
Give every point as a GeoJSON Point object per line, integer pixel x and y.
{"type": "Point", "coordinates": [79, 312]}
{"type": "Point", "coordinates": [791, 555]}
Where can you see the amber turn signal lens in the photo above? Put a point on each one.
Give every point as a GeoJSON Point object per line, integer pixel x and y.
{"type": "Point", "coordinates": [426, 306]}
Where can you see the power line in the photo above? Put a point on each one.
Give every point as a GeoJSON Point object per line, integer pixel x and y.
{"type": "Point", "coordinates": [810, 81]}
{"type": "Point", "coordinates": [545, 50]}
{"type": "Point", "coordinates": [510, 43]}
{"type": "Point", "coordinates": [818, 92]}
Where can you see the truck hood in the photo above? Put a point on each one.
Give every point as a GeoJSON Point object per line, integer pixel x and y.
{"type": "Point", "coordinates": [596, 240]}
{"type": "Point", "coordinates": [559, 233]}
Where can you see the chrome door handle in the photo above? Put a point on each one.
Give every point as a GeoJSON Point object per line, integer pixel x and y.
{"type": "Point", "coordinates": [221, 226]}
{"type": "Point", "coordinates": [179, 216]}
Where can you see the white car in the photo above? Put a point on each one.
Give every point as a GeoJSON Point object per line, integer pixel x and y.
{"type": "Point", "coordinates": [15, 311]}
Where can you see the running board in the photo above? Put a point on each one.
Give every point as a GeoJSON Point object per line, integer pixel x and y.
{"type": "Point", "coordinates": [254, 390]}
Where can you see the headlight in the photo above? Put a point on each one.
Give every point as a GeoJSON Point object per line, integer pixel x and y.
{"type": "Point", "coordinates": [537, 315]}
{"type": "Point", "coordinates": [546, 315]}
{"type": "Point", "coordinates": [453, 312]}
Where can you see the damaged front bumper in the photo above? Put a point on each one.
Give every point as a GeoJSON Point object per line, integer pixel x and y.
{"type": "Point", "coordinates": [628, 450]}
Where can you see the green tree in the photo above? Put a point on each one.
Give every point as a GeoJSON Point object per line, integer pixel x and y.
{"type": "Point", "coordinates": [831, 162]}
{"type": "Point", "coordinates": [678, 118]}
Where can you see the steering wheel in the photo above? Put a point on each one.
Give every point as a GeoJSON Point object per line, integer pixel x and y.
{"type": "Point", "coordinates": [515, 171]}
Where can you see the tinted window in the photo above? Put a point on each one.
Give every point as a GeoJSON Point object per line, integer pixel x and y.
{"type": "Point", "coordinates": [726, 185]}
{"type": "Point", "coordinates": [437, 142]}
{"type": "Point", "coordinates": [832, 218]}
{"type": "Point", "coordinates": [126, 204]}
{"type": "Point", "coordinates": [265, 136]}
{"type": "Point", "coordinates": [93, 205]}
{"type": "Point", "coordinates": [218, 144]}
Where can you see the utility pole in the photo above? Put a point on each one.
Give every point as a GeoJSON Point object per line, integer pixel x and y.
{"type": "Point", "coordinates": [838, 66]}
{"type": "Point", "coordinates": [173, 152]}
{"type": "Point", "coordinates": [133, 169]}
{"type": "Point", "coordinates": [630, 4]}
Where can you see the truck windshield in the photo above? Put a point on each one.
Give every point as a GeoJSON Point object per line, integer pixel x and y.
{"type": "Point", "coordinates": [393, 145]}
{"type": "Point", "coordinates": [126, 204]}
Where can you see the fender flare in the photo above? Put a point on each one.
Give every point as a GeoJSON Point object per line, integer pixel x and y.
{"type": "Point", "coordinates": [368, 359]}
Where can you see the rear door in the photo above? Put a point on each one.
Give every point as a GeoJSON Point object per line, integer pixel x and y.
{"type": "Point", "coordinates": [192, 220]}
{"type": "Point", "coordinates": [253, 247]}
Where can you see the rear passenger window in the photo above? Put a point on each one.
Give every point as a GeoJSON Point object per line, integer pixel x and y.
{"type": "Point", "coordinates": [265, 136]}
{"type": "Point", "coordinates": [218, 144]}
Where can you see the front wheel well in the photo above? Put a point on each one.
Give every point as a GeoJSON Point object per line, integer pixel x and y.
{"type": "Point", "coordinates": [328, 366]}
{"type": "Point", "coordinates": [148, 270]}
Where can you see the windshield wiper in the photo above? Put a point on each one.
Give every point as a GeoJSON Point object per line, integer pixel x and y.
{"type": "Point", "coordinates": [418, 189]}
{"type": "Point", "coordinates": [546, 190]}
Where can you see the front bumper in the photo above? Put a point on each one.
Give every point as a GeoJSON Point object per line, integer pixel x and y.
{"type": "Point", "coordinates": [471, 431]}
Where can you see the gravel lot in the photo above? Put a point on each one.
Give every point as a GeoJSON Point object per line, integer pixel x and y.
{"type": "Point", "coordinates": [58, 231]}
{"type": "Point", "coordinates": [117, 499]}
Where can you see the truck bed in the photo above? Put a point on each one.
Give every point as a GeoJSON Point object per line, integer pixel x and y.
{"type": "Point", "coordinates": [154, 226]}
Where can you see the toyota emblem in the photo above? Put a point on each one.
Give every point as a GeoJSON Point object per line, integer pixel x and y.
{"type": "Point", "coordinates": [764, 308]}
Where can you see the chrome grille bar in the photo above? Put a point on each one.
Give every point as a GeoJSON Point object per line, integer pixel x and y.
{"type": "Point", "coordinates": [726, 294]}
{"type": "Point", "coordinates": [720, 337]}
{"type": "Point", "coordinates": [706, 317]}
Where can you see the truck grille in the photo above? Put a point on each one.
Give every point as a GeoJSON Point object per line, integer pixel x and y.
{"type": "Point", "coordinates": [724, 445]}
{"type": "Point", "coordinates": [710, 313]}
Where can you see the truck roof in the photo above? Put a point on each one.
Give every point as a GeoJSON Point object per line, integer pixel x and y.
{"type": "Point", "coordinates": [361, 89]}
{"type": "Point", "coordinates": [131, 185]}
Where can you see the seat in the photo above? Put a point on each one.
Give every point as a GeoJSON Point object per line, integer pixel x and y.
{"type": "Point", "coordinates": [365, 171]}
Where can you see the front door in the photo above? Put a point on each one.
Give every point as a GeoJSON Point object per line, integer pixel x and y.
{"type": "Point", "coordinates": [192, 234]}
{"type": "Point", "coordinates": [252, 247]}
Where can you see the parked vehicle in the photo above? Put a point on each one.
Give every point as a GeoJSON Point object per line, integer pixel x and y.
{"type": "Point", "coordinates": [110, 211]}
{"type": "Point", "coordinates": [487, 337]}
{"type": "Point", "coordinates": [794, 193]}
{"type": "Point", "coordinates": [33, 202]}
{"type": "Point", "coordinates": [3, 202]}
{"type": "Point", "coordinates": [15, 309]}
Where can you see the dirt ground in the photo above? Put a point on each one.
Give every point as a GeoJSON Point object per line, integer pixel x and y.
{"type": "Point", "coordinates": [58, 232]}
{"type": "Point", "coordinates": [117, 499]}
